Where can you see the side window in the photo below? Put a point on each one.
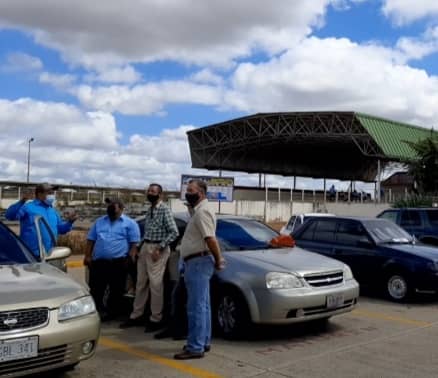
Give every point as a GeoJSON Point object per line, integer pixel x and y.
{"type": "Point", "coordinates": [309, 232]}
{"type": "Point", "coordinates": [291, 222]}
{"type": "Point", "coordinates": [410, 218]}
{"type": "Point", "coordinates": [390, 215]}
{"type": "Point", "coordinates": [349, 233]}
{"type": "Point", "coordinates": [325, 230]}
{"type": "Point", "coordinates": [433, 217]}
{"type": "Point", "coordinates": [46, 238]}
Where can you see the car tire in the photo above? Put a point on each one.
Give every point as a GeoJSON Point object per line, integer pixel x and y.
{"type": "Point", "coordinates": [231, 314]}
{"type": "Point", "coordinates": [398, 287]}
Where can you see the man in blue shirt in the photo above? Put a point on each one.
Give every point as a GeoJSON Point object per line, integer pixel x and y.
{"type": "Point", "coordinates": [112, 239]}
{"type": "Point", "coordinates": [42, 205]}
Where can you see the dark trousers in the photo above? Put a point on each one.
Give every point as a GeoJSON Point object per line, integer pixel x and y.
{"type": "Point", "coordinates": [108, 277]}
{"type": "Point", "coordinates": [178, 312]}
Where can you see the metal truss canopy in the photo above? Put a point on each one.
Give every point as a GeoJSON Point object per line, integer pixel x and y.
{"type": "Point", "coordinates": [333, 145]}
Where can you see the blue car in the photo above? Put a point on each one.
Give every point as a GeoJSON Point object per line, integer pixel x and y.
{"type": "Point", "coordinates": [380, 253]}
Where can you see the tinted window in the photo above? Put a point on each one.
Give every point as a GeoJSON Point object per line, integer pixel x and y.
{"type": "Point", "coordinates": [12, 250]}
{"type": "Point", "coordinates": [349, 233]}
{"type": "Point", "coordinates": [384, 231]}
{"type": "Point", "coordinates": [325, 230]}
{"type": "Point", "coordinates": [308, 232]}
{"type": "Point", "coordinates": [390, 215]}
{"type": "Point", "coordinates": [410, 218]}
{"type": "Point", "coordinates": [433, 217]}
{"type": "Point", "coordinates": [243, 234]}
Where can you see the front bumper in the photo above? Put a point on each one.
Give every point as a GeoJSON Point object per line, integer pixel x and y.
{"type": "Point", "coordinates": [60, 344]}
{"type": "Point", "coordinates": [284, 306]}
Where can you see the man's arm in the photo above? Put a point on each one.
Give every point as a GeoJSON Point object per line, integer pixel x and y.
{"type": "Point", "coordinates": [15, 211]}
{"type": "Point", "coordinates": [215, 250]}
{"type": "Point", "coordinates": [133, 238]}
{"type": "Point", "coordinates": [171, 228]}
{"type": "Point", "coordinates": [89, 252]}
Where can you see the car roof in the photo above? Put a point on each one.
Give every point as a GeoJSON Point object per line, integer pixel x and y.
{"type": "Point", "coordinates": [318, 215]}
{"type": "Point", "coordinates": [360, 219]}
{"type": "Point", "coordinates": [184, 215]}
{"type": "Point", "coordinates": [412, 208]}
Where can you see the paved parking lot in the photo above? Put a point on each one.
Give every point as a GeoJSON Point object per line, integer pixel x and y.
{"type": "Point", "coordinates": [378, 339]}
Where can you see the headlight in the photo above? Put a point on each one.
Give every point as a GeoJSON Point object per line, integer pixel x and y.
{"type": "Point", "coordinates": [348, 274]}
{"type": "Point", "coordinates": [276, 280]}
{"type": "Point", "coordinates": [74, 309]}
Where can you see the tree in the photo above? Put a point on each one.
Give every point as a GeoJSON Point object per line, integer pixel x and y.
{"type": "Point", "coordinates": [424, 170]}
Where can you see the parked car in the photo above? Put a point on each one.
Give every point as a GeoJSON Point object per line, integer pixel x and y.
{"type": "Point", "coordinates": [296, 221]}
{"type": "Point", "coordinates": [419, 222]}
{"type": "Point", "coordinates": [47, 320]}
{"type": "Point", "coordinates": [379, 253]}
{"type": "Point", "coordinates": [268, 285]}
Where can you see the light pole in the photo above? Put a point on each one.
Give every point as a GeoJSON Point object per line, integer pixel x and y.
{"type": "Point", "coordinates": [28, 157]}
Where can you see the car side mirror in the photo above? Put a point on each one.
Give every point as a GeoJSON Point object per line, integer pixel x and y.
{"type": "Point", "coordinates": [365, 243]}
{"type": "Point", "coordinates": [58, 253]}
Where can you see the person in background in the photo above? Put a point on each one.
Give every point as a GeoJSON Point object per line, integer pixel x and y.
{"type": "Point", "coordinates": [111, 240]}
{"type": "Point", "coordinates": [201, 254]}
{"type": "Point", "coordinates": [43, 206]}
{"type": "Point", "coordinates": [160, 231]}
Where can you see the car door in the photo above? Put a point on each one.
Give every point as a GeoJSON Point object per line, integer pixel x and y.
{"type": "Point", "coordinates": [412, 222]}
{"type": "Point", "coordinates": [354, 247]}
{"type": "Point", "coordinates": [318, 235]}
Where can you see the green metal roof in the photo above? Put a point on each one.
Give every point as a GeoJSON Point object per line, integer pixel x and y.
{"type": "Point", "coordinates": [391, 136]}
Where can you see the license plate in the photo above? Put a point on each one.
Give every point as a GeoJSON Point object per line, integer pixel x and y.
{"type": "Point", "coordinates": [334, 301]}
{"type": "Point", "coordinates": [17, 349]}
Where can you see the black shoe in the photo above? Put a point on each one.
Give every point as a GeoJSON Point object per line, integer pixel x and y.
{"type": "Point", "coordinates": [132, 323]}
{"type": "Point", "coordinates": [186, 355]}
{"type": "Point", "coordinates": [207, 348]}
{"type": "Point", "coordinates": [164, 334]}
{"type": "Point", "coordinates": [153, 326]}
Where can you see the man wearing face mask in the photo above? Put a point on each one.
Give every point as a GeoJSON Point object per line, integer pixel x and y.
{"type": "Point", "coordinates": [110, 241]}
{"type": "Point", "coordinates": [201, 254]}
{"type": "Point", "coordinates": [25, 211]}
{"type": "Point", "coordinates": [160, 231]}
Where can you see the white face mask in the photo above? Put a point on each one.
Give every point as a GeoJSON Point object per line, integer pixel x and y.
{"type": "Point", "coordinates": [50, 200]}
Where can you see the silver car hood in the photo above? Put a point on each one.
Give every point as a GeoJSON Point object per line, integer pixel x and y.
{"type": "Point", "coordinates": [36, 285]}
{"type": "Point", "coordinates": [294, 260]}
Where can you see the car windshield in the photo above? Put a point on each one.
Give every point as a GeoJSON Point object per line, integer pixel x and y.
{"type": "Point", "coordinates": [384, 231]}
{"type": "Point", "coordinates": [243, 234]}
{"type": "Point", "coordinates": [12, 250]}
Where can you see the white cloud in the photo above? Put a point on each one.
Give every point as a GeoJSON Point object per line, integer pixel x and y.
{"type": "Point", "coordinates": [337, 74]}
{"type": "Point", "coordinates": [19, 61]}
{"type": "Point", "coordinates": [148, 98]}
{"type": "Point", "coordinates": [207, 76]}
{"type": "Point", "coordinates": [213, 32]}
{"type": "Point", "coordinates": [420, 47]}
{"type": "Point", "coordinates": [60, 81]}
{"type": "Point", "coordinates": [408, 11]}
{"type": "Point", "coordinates": [112, 74]}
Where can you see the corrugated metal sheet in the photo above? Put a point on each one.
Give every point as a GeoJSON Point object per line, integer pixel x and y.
{"type": "Point", "coordinates": [391, 136]}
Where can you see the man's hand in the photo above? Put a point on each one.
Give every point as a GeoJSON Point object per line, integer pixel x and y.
{"type": "Point", "coordinates": [133, 253]}
{"type": "Point", "coordinates": [73, 216]}
{"type": "Point", "coordinates": [87, 261]}
{"type": "Point", "coordinates": [220, 264]}
{"type": "Point", "coordinates": [155, 255]}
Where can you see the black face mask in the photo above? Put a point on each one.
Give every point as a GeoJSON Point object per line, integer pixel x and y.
{"type": "Point", "coordinates": [153, 198]}
{"type": "Point", "coordinates": [111, 211]}
{"type": "Point", "coordinates": [192, 198]}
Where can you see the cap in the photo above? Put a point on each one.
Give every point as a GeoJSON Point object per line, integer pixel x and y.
{"type": "Point", "coordinates": [45, 187]}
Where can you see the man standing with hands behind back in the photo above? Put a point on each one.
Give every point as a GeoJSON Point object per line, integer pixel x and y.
{"type": "Point", "coordinates": [160, 231]}
{"type": "Point", "coordinates": [201, 253]}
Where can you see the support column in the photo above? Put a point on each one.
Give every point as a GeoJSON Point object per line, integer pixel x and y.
{"type": "Point", "coordinates": [379, 183]}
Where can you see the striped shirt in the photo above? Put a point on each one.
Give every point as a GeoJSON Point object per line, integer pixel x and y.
{"type": "Point", "coordinates": [160, 226]}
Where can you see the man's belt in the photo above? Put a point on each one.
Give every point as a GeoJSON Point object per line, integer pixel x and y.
{"type": "Point", "coordinates": [199, 254]}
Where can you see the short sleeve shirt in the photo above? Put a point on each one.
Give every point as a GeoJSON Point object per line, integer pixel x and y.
{"type": "Point", "coordinates": [200, 226]}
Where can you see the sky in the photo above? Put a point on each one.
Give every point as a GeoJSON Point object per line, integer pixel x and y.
{"type": "Point", "coordinates": [108, 91]}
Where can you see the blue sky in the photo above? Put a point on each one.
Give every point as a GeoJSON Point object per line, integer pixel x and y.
{"type": "Point", "coordinates": [111, 101]}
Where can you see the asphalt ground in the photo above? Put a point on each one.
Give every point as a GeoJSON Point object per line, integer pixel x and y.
{"type": "Point", "coordinates": [378, 339]}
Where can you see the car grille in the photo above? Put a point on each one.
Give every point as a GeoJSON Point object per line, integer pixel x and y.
{"type": "Point", "coordinates": [23, 319]}
{"type": "Point", "coordinates": [324, 279]}
{"type": "Point", "coordinates": [47, 358]}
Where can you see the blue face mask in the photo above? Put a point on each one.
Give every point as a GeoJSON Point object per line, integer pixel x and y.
{"type": "Point", "coordinates": [50, 200]}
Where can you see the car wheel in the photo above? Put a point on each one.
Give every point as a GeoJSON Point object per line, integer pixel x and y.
{"type": "Point", "coordinates": [397, 286]}
{"type": "Point", "coordinates": [232, 315]}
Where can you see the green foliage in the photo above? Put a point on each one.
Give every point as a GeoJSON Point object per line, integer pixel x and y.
{"type": "Point", "coordinates": [416, 201]}
{"type": "Point", "coordinates": [425, 169]}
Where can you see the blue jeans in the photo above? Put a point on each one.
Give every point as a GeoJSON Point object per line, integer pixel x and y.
{"type": "Point", "coordinates": [198, 273]}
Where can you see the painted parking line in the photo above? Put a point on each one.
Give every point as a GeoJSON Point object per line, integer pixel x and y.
{"type": "Point", "coordinates": [390, 318]}
{"type": "Point", "coordinates": [75, 264]}
{"type": "Point", "coordinates": [180, 366]}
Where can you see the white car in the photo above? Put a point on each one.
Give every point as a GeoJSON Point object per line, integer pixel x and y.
{"type": "Point", "coordinates": [296, 221]}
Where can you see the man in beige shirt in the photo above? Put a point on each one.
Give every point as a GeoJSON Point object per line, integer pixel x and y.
{"type": "Point", "coordinates": [201, 254]}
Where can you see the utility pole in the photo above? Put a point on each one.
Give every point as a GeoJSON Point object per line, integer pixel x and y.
{"type": "Point", "coordinates": [28, 158]}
